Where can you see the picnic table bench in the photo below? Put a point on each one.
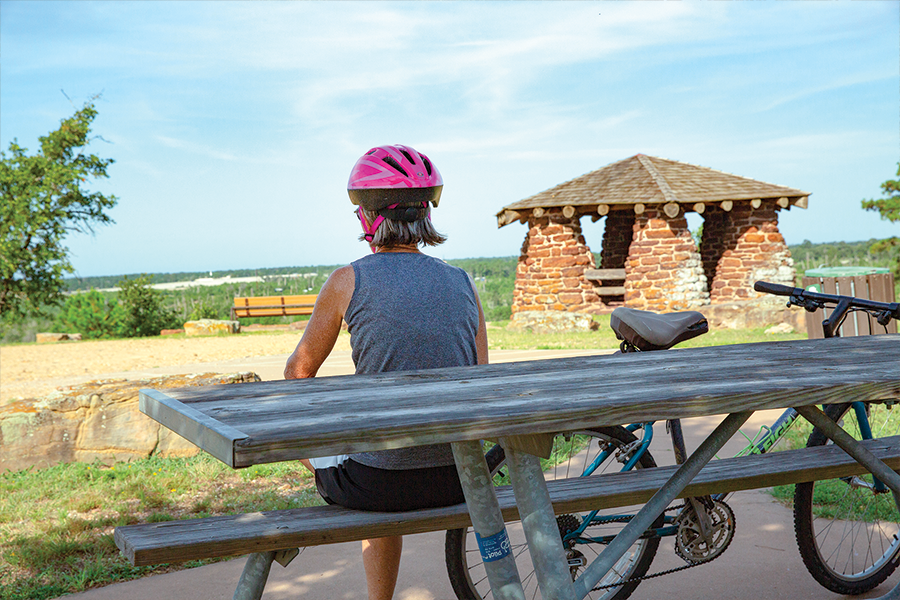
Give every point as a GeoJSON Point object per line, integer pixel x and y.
{"type": "Point", "coordinates": [272, 306]}
{"type": "Point", "coordinates": [612, 281]}
{"type": "Point", "coordinates": [518, 403]}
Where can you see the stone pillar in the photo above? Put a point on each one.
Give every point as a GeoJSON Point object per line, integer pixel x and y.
{"type": "Point", "coordinates": [754, 250]}
{"type": "Point", "coordinates": [617, 239]}
{"type": "Point", "coordinates": [664, 272]}
{"type": "Point", "coordinates": [550, 273]}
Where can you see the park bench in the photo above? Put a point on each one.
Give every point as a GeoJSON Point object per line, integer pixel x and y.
{"type": "Point", "coordinates": [517, 403]}
{"type": "Point", "coordinates": [612, 281]}
{"type": "Point", "coordinates": [272, 306]}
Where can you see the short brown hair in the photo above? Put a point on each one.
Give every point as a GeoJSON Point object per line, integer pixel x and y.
{"type": "Point", "coordinates": [393, 232]}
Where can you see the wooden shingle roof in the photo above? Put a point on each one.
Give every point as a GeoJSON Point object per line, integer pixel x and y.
{"type": "Point", "coordinates": [646, 180]}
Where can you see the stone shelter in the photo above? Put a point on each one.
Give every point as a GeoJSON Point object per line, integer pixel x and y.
{"type": "Point", "coordinates": [649, 259]}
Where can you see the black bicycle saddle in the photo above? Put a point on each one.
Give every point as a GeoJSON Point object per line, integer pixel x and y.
{"type": "Point", "coordinates": [652, 331]}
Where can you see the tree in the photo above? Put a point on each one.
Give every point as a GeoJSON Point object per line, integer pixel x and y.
{"type": "Point", "coordinates": [889, 208]}
{"type": "Point", "coordinates": [91, 315]}
{"type": "Point", "coordinates": [43, 200]}
{"type": "Point", "coordinates": [144, 311]}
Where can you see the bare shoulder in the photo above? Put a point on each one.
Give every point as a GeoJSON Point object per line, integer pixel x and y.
{"type": "Point", "coordinates": [342, 278]}
{"type": "Point", "coordinates": [338, 290]}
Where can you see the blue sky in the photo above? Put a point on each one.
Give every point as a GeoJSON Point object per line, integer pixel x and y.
{"type": "Point", "coordinates": [234, 125]}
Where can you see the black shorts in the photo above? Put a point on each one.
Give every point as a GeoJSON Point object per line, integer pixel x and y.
{"type": "Point", "coordinates": [361, 487]}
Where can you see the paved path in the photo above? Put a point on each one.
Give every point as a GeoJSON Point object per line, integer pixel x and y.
{"type": "Point", "coordinates": [762, 562]}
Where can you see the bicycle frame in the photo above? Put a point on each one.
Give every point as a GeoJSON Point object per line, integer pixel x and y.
{"type": "Point", "coordinates": [770, 435]}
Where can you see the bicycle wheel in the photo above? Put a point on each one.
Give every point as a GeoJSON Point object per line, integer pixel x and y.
{"type": "Point", "coordinates": [575, 451]}
{"type": "Point", "coordinates": [847, 531]}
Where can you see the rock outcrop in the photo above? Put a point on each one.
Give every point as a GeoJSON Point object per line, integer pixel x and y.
{"type": "Point", "coordinates": [98, 420]}
{"type": "Point", "coordinates": [211, 327]}
{"type": "Point", "coordinates": [551, 321]}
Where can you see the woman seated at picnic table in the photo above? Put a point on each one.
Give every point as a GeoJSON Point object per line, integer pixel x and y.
{"type": "Point", "coordinates": [405, 311]}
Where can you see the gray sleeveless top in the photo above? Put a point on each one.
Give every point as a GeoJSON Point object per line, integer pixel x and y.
{"type": "Point", "coordinates": [410, 311]}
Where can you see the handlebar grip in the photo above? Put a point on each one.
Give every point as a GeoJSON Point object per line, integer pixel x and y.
{"type": "Point", "coordinates": [774, 288]}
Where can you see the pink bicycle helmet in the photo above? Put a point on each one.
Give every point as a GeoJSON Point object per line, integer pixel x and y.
{"type": "Point", "coordinates": [390, 175]}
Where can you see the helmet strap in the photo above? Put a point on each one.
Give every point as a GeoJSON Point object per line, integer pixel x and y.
{"type": "Point", "coordinates": [369, 230]}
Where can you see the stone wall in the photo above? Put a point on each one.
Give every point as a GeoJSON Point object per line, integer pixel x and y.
{"type": "Point", "coordinates": [752, 249]}
{"type": "Point", "coordinates": [99, 420]}
{"type": "Point", "coordinates": [664, 272]}
{"type": "Point", "coordinates": [550, 273]}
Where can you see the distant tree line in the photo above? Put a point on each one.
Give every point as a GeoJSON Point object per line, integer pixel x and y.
{"type": "Point", "coordinates": [45, 198]}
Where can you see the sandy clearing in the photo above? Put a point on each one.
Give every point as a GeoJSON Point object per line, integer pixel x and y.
{"type": "Point", "coordinates": [29, 370]}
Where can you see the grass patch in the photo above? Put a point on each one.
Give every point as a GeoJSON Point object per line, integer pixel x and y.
{"type": "Point", "coordinates": [502, 338]}
{"type": "Point", "coordinates": [56, 524]}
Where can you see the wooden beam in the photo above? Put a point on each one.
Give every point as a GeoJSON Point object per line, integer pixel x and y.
{"type": "Point", "coordinates": [699, 208]}
{"type": "Point", "coordinates": [604, 274]}
{"type": "Point", "coordinates": [783, 202]}
{"type": "Point", "coordinates": [602, 209]}
{"type": "Point", "coordinates": [802, 202]}
{"type": "Point", "coordinates": [756, 202]}
{"type": "Point", "coordinates": [507, 217]}
{"type": "Point", "coordinates": [672, 210]}
{"type": "Point", "coordinates": [727, 205]}
{"type": "Point", "coordinates": [639, 208]}
{"type": "Point", "coordinates": [610, 290]}
{"type": "Point", "coordinates": [568, 211]}
{"type": "Point", "coordinates": [538, 212]}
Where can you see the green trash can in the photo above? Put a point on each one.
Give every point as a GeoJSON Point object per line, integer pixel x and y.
{"type": "Point", "coordinates": [872, 283]}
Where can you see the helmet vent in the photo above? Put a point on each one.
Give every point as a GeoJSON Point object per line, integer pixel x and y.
{"type": "Point", "coordinates": [408, 156]}
{"type": "Point", "coordinates": [390, 160]}
{"type": "Point", "coordinates": [427, 165]}
{"type": "Point", "coordinates": [371, 152]}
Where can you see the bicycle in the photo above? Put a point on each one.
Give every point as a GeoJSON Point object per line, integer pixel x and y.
{"type": "Point", "coordinates": [847, 530]}
{"type": "Point", "coordinates": [702, 527]}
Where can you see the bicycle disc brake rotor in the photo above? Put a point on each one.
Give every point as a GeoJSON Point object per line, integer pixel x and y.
{"type": "Point", "coordinates": [690, 543]}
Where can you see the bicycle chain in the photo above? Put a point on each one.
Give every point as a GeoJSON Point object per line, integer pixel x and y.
{"type": "Point", "coordinates": [690, 565]}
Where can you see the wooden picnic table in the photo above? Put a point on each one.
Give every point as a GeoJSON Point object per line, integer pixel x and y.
{"type": "Point", "coordinates": [521, 404]}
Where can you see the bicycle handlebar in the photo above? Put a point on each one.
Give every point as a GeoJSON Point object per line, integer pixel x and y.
{"type": "Point", "coordinates": [774, 288]}
{"type": "Point", "coordinates": [811, 301]}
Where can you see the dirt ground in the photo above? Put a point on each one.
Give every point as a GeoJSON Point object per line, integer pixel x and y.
{"type": "Point", "coordinates": [30, 370]}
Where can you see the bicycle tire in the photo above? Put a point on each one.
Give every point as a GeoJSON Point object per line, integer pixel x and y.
{"type": "Point", "coordinates": [469, 581]}
{"type": "Point", "coordinates": [853, 544]}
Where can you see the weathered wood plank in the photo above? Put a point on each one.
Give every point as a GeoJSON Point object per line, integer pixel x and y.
{"type": "Point", "coordinates": [207, 433]}
{"type": "Point", "coordinates": [287, 420]}
{"type": "Point", "coordinates": [178, 541]}
{"type": "Point", "coordinates": [610, 290]}
{"type": "Point", "coordinates": [604, 274]}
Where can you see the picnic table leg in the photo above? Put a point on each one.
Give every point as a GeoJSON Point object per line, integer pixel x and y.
{"type": "Point", "coordinates": [254, 576]}
{"type": "Point", "coordinates": [658, 503]}
{"type": "Point", "coordinates": [852, 447]}
{"type": "Point", "coordinates": [487, 521]}
{"type": "Point", "coordinates": [539, 523]}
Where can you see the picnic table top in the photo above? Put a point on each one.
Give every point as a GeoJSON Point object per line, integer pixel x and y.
{"type": "Point", "coordinates": [272, 421]}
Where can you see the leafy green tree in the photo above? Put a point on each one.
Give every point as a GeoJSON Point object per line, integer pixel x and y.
{"type": "Point", "coordinates": [44, 199]}
{"type": "Point", "coordinates": [145, 312]}
{"type": "Point", "coordinates": [91, 315]}
{"type": "Point", "coordinates": [203, 310]}
{"type": "Point", "coordinates": [889, 208]}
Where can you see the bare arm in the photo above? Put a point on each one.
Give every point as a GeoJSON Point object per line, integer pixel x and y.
{"type": "Point", "coordinates": [481, 341]}
{"type": "Point", "coordinates": [324, 326]}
